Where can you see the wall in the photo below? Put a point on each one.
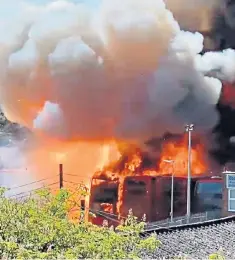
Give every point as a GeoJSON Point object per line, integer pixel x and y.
{"type": "Point", "coordinates": [225, 197]}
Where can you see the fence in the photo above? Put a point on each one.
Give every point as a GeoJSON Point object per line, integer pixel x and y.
{"type": "Point", "coordinates": [178, 221]}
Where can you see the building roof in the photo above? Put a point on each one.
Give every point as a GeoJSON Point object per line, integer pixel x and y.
{"type": "Point", "coordinates": [197, 242]}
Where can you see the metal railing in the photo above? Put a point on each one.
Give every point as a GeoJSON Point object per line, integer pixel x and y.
{"type": "Point", "coordinates": [178, 221]}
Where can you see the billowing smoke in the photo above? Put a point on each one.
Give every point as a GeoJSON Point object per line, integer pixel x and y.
{"type": "Point", "coordinates": [219, 64]}
{"type": "Point", "coordinates": [105, 71]}
{"type": "Point", "coordinates": [50, 119]}
{"type": "Point", "coordinates": [125, 71]}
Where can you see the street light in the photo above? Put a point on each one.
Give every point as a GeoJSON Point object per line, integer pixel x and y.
{"type": "Point", "coordinates": [189, 128]}
{"type": "Point", "coordinates": [172, 188]}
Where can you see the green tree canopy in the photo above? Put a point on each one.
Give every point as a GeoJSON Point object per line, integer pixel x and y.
{"type": "Point", "coordinates": [40, 226]}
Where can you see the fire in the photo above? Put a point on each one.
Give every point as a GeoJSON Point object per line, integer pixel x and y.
{"type": "Point", "coordinates": [134, 163]}
{"type": "Point", "coordinates": [102, 81]}
{"type": "Point", "coordinates": [84, 160]}
{"type": "Point", "coordinates": [107, 90]}
{"type": "Point", "coordinates": [80, 160]}
{"type": "Point", "coordinates": [173, 160]}
{"type": "Point", "coordinates": [178, 153]}
{"type": "Point", "coordinates": [107, 207]}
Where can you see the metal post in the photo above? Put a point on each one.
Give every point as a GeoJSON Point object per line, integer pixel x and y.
{"type": "Point", "coordinates": [172, 193]}
{"type": "Point", "coordinates": [88, 201]}
{"type": "Point", "coordinates": [189, 128]}
{"type": "Point", "coordinates": [172, 189]}
{"type": "Point", "coordinates": [189, 177]}
{"type": "Point", "coordinates": [61, 175]}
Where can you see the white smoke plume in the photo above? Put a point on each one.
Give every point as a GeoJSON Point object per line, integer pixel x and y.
{"type": "Point", "coordinates": [123, 71]}
{"type": "Point", "coordinates": [50, 119]}
{"type": "Point", "coordinates": [218, 64]}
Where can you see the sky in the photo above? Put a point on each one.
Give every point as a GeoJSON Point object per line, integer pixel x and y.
{"type": "Point", "coordinates": [9, 8]}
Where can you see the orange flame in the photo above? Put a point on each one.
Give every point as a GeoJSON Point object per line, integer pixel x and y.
{"type": "Point", "coordinates": [134, 163]}
{"type": "Point", "coordinates": [174, 159]}
{"type": "Point", "coordinates": [178, 153]}
{"type": "Point", "coordinates": [107, 207]}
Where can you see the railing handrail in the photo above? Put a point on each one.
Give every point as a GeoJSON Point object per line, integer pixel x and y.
{"type": "Point", "coordinates": [195, 218]}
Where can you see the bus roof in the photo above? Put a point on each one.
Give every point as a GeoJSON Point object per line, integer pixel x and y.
{"type": "Point", "coordinates": [230, 172]}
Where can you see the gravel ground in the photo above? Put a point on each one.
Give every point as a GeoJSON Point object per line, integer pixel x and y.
{"type": "Point", "coordinates": [197, 243]}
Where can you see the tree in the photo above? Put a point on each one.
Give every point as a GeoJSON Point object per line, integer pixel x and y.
{"type": "Point", "coordinates": [41, 227]}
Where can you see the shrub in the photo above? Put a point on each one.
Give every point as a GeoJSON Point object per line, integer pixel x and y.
{"type": "Point", "coordinates": [40, 227]}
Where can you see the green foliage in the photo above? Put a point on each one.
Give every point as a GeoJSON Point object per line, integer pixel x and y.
{"type": "Point", "coordinates": [41, 227]}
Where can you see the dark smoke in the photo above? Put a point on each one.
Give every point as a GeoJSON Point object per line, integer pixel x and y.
{"type": "Point", "coordinates": [220, 37]}
{"type": "Point", "coordinates": [222, 34]}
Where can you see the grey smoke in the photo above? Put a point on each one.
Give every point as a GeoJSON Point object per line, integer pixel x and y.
{"type": "Point", "coordinates": [123, 71]}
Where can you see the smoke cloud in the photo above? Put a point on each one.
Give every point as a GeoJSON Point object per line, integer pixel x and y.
{"type": "Point", "coordinates": [50, 119]}
{"type": "Point", "coordinates": [218, 64]}
{"type": "Point", "coordinates": [120, 71]}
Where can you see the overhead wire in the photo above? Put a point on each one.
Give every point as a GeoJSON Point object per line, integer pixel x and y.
{"type": "Point", "coordinates": [73, 175]}
{"type": "Point", "coordinates": [34, 182]}
{"type": "Point", "coordinates": [71, 182]}
{"type": "Point", "coordinates": [28, 192]}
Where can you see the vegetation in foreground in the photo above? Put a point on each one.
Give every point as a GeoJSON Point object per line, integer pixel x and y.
{"type": "Point", "coordinates": [41, 227]}
{"type": "Point", "coordinates": [50, 226]}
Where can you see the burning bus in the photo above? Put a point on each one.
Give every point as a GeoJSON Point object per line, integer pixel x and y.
{"type": "Point", "coordinates": [130, 183]}
{"type": "Point", "coordinates": [150, 196]}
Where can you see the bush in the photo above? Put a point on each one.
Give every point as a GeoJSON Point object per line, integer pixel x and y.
{"type": "Point", "coordinates": [41, 227]}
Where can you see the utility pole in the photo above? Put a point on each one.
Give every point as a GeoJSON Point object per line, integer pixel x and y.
{"type": "Point", "coordinates": [172, 192]}
{"type": "Point", "coordinates": [61, 175]}
{"type": "Point", "coordinates": [172, 189]}
{"type": "Point", "coordinates": [189, 129]}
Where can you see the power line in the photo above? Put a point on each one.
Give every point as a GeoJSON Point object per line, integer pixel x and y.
{"type": "Point", "coordinates": [71, 182]}
{"type": "Point", "coordinates": [33, 189]}
{"type": "Point", "coordinates": [27, 184]}
{"type": "Point", "coordinates": [74, 175]}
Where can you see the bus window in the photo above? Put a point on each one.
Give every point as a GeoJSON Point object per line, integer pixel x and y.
{"type": "Point", "coordinates": [136, 187]}
{"type": "Point", "coordinates": [209, 188]}
{"type": "Point", "coordinates": [103, 198]}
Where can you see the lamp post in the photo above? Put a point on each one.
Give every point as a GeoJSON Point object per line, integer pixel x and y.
{"type": "Point", "coordinates": [189, 128]}
{"type": "Point", "coordinates": [172, 189]}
